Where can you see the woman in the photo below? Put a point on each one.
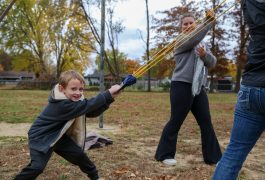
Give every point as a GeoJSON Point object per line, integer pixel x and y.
{"type": "Point", "coordinates": [187, 92]}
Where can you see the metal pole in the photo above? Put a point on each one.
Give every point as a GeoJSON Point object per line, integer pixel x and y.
{"type": "Point", "coordinates": [6, 10]}
{"type": "Point", "coordinates": [102, 51]}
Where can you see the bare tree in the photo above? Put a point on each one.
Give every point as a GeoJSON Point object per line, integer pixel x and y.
{"type": "Point", "coordinates": [218, 46]}
{"type": "Point", "coordinates": [113, 28]}
{"type": "Point", "coordinates": [240, 52]}
{"type": "Point", "coordinates": [94, 30]}
{"type": "Point", "coordinates": [113, 31]}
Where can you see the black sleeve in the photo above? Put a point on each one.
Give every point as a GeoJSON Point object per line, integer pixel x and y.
{"type": "Point", "coordinates": [254, 12]}
{"type": "Point", "coordinates": [103, 108]}
{"type": "Point", "coordinates": [95, 105]}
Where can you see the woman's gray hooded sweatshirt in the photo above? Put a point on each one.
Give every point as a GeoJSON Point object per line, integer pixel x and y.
{"type": "Point", "coordinates": [64, 116]}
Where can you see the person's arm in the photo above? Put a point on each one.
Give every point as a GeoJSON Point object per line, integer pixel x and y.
{"type": "Point", "coordinates": [66, 109]}
{"type": "Point", "coordinates": [103, 108]}
{"type": "Point", "coordinates": [97, 105]}
{"type": "Point", "coordinates": [256, 16]}
{"type": "Point", "coordinates": [72, 109]}
{"type": "Point", "coordinates": [194, 38]}
{"type": "Point", "coordinates": [209, 59]}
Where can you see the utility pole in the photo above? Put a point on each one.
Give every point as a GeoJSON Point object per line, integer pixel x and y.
{"type": "Point", "coordinates": [102, 52]}
{"type": "Point", "coordinates": [147, 46]}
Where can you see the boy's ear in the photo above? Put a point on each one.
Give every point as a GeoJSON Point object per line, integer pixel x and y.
{"type": "Point", "coordinates": [61, 88]}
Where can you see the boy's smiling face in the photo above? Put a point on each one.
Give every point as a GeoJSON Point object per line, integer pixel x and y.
{"type": "Point", "coordinates": [73, 90]}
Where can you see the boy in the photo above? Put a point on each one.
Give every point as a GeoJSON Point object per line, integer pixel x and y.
{"type": "Point", "coordinates": [61, 126]}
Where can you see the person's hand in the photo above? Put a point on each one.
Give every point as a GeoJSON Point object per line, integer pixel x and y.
{"type": "Point", "coordinates": [210, 14]}
{"type": "Point", "coordinates": [200, 51]}
{"type": "Point", "coordinates": [115, 90]}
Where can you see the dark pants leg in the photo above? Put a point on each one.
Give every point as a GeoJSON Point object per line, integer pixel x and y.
{"type": "Point", "coordinates": [36, 166]}
{"type": "Point", "coordinates": [181, 100]}
{"type": "Point", "coordinates": [210, 145]}
{"type": "Point", "coordinates": [70, 151]}
{"type": "Point", "coordinates": [66, 148]}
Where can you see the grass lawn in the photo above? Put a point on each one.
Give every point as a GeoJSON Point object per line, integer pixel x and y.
{"type": "Point", "coordinates": [138, 119]}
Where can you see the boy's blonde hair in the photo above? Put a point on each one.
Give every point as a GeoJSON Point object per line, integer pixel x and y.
{"type": "Point", "coordinates": [66, 76]}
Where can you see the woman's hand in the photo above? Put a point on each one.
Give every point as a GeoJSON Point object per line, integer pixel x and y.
{"type": "Point", "coordinates": [210, 14]}
{"type": "Point", "coordinates": [200, 51]}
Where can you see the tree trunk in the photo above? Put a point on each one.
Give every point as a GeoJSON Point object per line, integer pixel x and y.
{"type": "Point", "coordinates": [241, 57]}
{"type": "Point", "coordinates": [213, 50]}
{"type": "Point", "coordinates": [147, 45]}
{"type": "Point", "coordinates": [238, 78]}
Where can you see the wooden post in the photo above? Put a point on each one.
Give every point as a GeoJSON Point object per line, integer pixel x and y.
{"type": "Point", "coordinates": [102, 50]}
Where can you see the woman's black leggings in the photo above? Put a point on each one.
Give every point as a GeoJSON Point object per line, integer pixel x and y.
{"type": "Point", "coordinates": [182, 102]}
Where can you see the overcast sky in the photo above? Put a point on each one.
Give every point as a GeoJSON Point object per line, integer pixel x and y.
{"type": "Point", "coordinates": [133, 14]}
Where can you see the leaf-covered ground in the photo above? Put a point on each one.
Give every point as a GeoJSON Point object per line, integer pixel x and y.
{"type": "Point", "coordinates": [134, 122]}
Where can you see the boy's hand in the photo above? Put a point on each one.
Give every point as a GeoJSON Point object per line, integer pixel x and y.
{"type": "Point", "coordinates": [115, 90]}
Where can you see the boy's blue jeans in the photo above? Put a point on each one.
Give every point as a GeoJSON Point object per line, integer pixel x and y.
{"type": "Point", "coordinates": [249, 123]}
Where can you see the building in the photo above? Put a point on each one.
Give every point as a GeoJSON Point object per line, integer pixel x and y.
{"type": "Point", "coordinates": [12, 77]}
{"type": "Point", "coordinates": [225, 84]}
{"type": "Point", "coordinates": [94, 79]}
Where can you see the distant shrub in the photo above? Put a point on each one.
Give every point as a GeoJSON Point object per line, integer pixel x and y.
{"type": "Point", "coordinates": [140, 87]}
{"type": "Point", "coordinates": [92, 88]}
{"type": "Point", "coordinates": [165, 86]}
{"type": "Point", "coordinates": [36, 84]}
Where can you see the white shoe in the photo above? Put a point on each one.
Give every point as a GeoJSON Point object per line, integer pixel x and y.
{"type": "Point", "coordinates": [170, 162]}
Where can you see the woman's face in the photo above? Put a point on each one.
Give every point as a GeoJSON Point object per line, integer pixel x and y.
{"type": "Point", "coordinates": [188, 24]}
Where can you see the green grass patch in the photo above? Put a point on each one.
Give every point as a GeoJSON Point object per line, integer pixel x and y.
{"type": "Point", "coordinates": [19, 106]}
